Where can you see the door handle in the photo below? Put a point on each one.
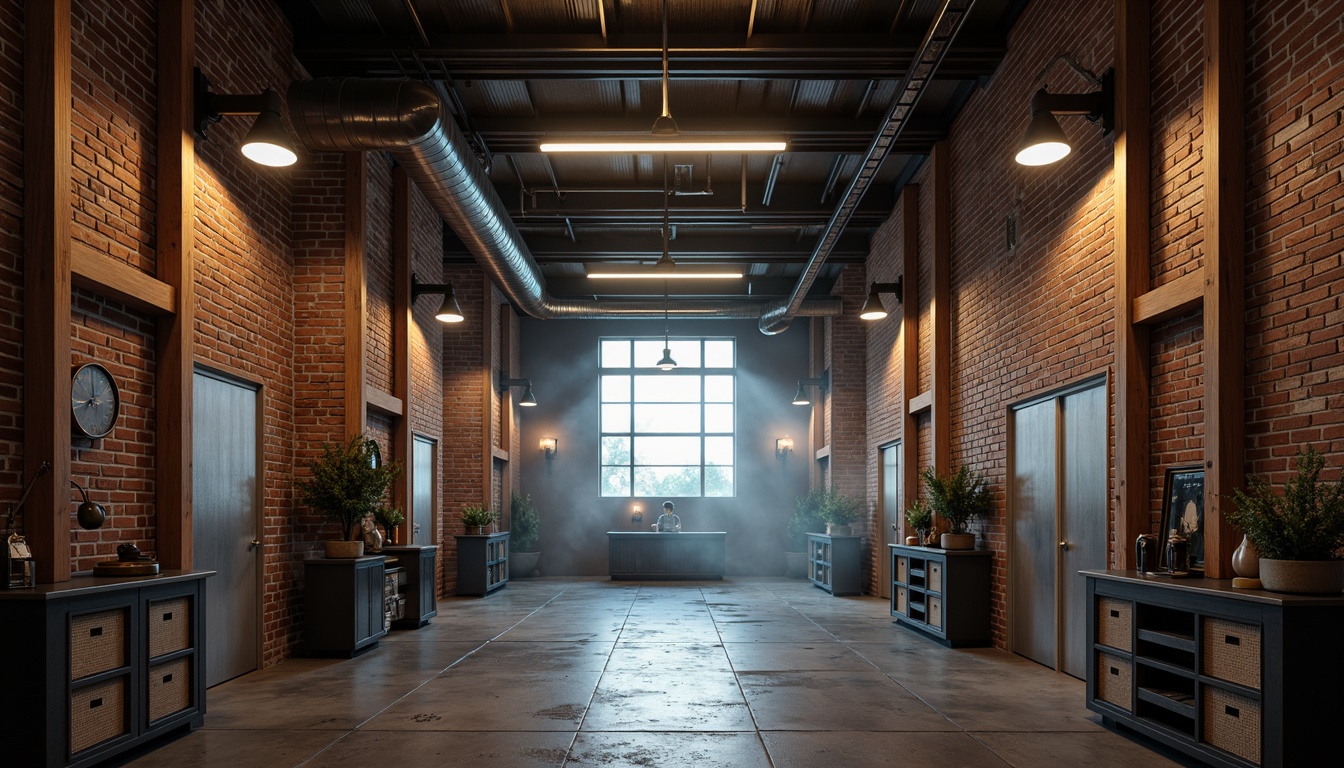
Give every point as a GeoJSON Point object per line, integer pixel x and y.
{"type": "Point", "coordinates": [1063, 545]}
{"type": "Point", "coordinates": [253, 545]}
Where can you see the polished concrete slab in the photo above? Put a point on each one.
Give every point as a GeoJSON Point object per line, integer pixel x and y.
{"type": "Point", "coordinates": [588, 672]}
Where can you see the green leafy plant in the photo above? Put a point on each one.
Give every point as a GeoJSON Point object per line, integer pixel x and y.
{"type": "Point", "coordinates": [524, 523]}
{"type": "Point", "coordinates": [806, 518]}
{"type": "Point", "coordinates": [957, 497]}
{"type": "Point", "coordinates": [389, 518]}
{"type": "Point", "coordinates": [919, 516]}
{"type": "Point", "coordinates": [475, 515]}
{"type": "Point", "coordinates": [346, 483]}
{"type": "Point", "coordinates": [1306, 522]}
{"type": "Point", "coordinates": [840, 509]}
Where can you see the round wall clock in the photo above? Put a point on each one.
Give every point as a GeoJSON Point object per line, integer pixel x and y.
{"type": "Point", "coordinates": [94, 401]}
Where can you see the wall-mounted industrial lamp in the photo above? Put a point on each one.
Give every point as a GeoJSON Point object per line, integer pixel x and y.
{"type": "Point", "coordinates": [873, 308]}
{"type": "Point", "coordinates": [449, 311]}
{"type": "Point", "coordinates": [527, 400]}
{"type": "Point", "coordinates": [822, 382]}
{"type": "Point", "coordinates": [550, 446]}
{"type": "Point", "coordinates": [783, 447]}
{"type": "Point", "coordinates": [636, 515]}
{"type": "Point", "coordinates": [267, 143]}
{"type": "Point", "coordinates": [1044, 141]}
{"type": "Point", "coordinates": [17, 566]}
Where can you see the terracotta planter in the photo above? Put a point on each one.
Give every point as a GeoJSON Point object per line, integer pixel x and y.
{"type": "Point", "coordinates": [1308, 577]}
{"type": "Point", "coordinates": [957, 541]}
{"type": "Point", "coordinates": [475, 530]}
{"type": "Point", "coordinates": [339, 549]}
{"type": "Point", "coordinates": [522, 564]}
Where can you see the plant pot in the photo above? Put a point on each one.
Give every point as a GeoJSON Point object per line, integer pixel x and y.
{"type": "Point", "coordinates": [795, 564]}
{"type": "Point", "coordinates": [475, 530]}
{"type": "Point", "coordinates": [522, 564]}
{"type": "Point", "coordinates": [836, 529]}
{"type": "Point", "coordinates": [340, 549]}
{"type": "Point", "coordinates": [957, 541]}
{"type": "Point", "coordinates": [1308, 577]}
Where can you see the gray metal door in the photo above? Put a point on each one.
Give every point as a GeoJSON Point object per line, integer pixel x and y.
{"type": "Point", "coordinates": [893, 502]}
{"type": "Point", "coordinates": [226, 476]}
{"type": "Point", "coordinates": [1032, 551]}
{"type": "Point", "coordinates": [1083, 523]}
{"type": "Point", "coordinates": [422, 492]}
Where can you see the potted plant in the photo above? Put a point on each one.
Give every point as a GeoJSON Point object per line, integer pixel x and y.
{"type": "Point", "coordinates": [346, 484]}
{"type": "Point", "coordinates": [524, 531]}
{"type": "Point", "coordinates": [919, 518]}
{"type": "Point", "coordinates": [389, 518]}
{"type": "Point", "coordinates": [957, 497]}
{"type": "Point", "coordinates": [1298, 533]}
{"type": "Point", "coordinates": [806, 519]}
{"type": "Point", "coordinates": [840, 511]}
{"type": "Point", "coordinates": [477, 518]}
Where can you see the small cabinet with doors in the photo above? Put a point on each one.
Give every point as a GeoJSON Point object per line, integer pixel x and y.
{"type": "Point", "coordinates": [833, 563]}
{"type": "Point", "coordinates": [344, 608]}
{"type": "Point", "coordinates": [1234, 678]}
{"type": "Point", "coordinates": [482, 563]}
{"type": "Point", "coordinates": [416, 594]}
{"type": "Point", "coordinates": [942, 593]}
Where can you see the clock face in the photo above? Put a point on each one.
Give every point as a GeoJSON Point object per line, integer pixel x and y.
{"type": "Point", "coordinates": [94, 401]}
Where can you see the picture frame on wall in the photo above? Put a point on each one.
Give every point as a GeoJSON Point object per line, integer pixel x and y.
{"type": "Point", "coordinates": [1183, 510]}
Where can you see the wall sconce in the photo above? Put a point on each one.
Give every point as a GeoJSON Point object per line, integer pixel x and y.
{"type": "Point", "coordinates": [549, 446]}
{"type": "Point", "coordinates": [636, 515]}
{"type": "Point", "coordinates": [783, 447]}
{"type": "Point", "coordinates": [267, 143]}
{"type": "Point", "coordinates": [449, 311]}
{"type": "Point", "coordinates": [17, 565]}
{"type": "Point", "coordinates": [873, 308]}
{"type": "Point", "coordinates": [1044, 141]}
{"type": "Point", "coordinates": [527, 400]}
{"type": "Point", "coordinates": [822, 382]}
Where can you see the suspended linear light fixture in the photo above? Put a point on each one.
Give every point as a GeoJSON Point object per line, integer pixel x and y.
{"type": "Point", "coordinates": [665, 135]}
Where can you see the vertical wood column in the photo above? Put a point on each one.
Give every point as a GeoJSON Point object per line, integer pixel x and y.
{"type": "Point", "coordinates": [940, 310]}
{"type": "Point", "coordinates": [356, 291]}
{"type": "Point", "coordinates": [507, 416]}
{"type": "Point", "coordinates": [909, 342]}
{"type": "Point", "coordinates": [488, 390]}
{"type": "Point", "coordinates": [1224, 275]}
{"type": "Point", "coordinates": [403, 319]}
{"type": "Point", "coordinates": [817, 438]}
{"type": "Point", "coordinates": [1132, 195]}
{"type": "Point", "coordinates": [46, 283]}
{"type": "Point", "coordinates": [176, 235]}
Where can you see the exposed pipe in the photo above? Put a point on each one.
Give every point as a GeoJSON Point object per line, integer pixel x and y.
{"type": "Point", "coordinates": [927, 59]}
{"type": "Point", "coordinates": [407, 119]}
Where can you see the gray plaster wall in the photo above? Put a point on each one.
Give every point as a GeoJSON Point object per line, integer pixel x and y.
{"type": "Point", "coordinates": [561, 359]}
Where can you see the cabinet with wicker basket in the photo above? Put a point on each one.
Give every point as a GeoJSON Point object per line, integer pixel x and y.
{"type": "Point", "coordinates": [101, 665]}
{"type": "Point", "coordinates": [1235, 678]}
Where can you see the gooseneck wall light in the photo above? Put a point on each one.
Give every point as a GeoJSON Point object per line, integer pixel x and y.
{"type": "Point", "coordinates": [449, 311]}
{"type": "Point", "coordinates": [873, 309]}
{"type": "Point", "coordinates": [267, 143]}
{"type": "Point", "coordinates": [822, 383]}
{"type": "Point", "coordinates": [1044, 141]}
{"type": "Point", "coordinates": [506, 383]}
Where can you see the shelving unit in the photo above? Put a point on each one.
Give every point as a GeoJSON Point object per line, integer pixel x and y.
{"type": "Point", "coordinates": [833, 563]}
{"type": "Point", "coordinates": [106, 664]}
{"type": "Point", "coordinates": [482, 563]}
{"type": "Point", "coordinates": [1207, 669]}
{"type": "Point", "coordinates": [344, 608]}
{"type": "Point", "coordinates": [416, 588]}
{"type": "Point", "coordinates": [942, 593]}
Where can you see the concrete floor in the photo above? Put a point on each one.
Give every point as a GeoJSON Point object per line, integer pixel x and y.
{"type": "Point", "coordinates": [739, 673]}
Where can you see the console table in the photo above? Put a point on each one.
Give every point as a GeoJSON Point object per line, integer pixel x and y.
{"type": "Point", "coordinates": [688, 555]}
{"type": "Point", "coordinates": [1235, 678]}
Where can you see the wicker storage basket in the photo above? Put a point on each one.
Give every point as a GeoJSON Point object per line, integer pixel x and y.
{"type": "Point", "coordinates": [1115, 623]}
{"type": "Point", "coordinates": [1113, 680]}
{"type": "Point", "coordinates": [1230, 651]}
{"type": "Point", "coordinates": [169, 626]}
{"type": "Point", "coordinates": [97, 642]}
{"type": "Point", "coordinates": [1231, 723]}
{"type": "Point", "coordinates": [169, 688]}
{"type": "Point", "coordinates": [97, 713]}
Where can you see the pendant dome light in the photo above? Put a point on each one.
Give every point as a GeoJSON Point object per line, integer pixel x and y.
{"type": "Point", "coordinates": [667, 363]}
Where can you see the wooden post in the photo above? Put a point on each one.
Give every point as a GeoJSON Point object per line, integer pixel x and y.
{"type": "Point", "coordinates": [356, 291]}
{"type": "Point", "coordinates": [908, 340]}
{"type": "Point", "coordinates": [403, 318]}
{"type": "Point", "coordinates": [940, 311]}
{"type": "Point", "coordinates": [1224, 275]}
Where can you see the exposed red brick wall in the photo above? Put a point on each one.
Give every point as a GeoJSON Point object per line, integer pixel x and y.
{"type": "Point", "coordinates": [378, 275]}
{"type": "Point", "coordinates": [884, 367]}
{"type": "Point", "coordinates": [11, 249]}
{"type": "Point", "coordinates": [426, 340]}
{"type": "Point", "coordinates": [463, 414]}
{"type": "Point", "coordinates": [1176, 402]}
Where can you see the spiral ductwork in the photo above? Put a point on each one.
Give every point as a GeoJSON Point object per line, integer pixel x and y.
{"type": "Point", "coordinates": [406, 119]}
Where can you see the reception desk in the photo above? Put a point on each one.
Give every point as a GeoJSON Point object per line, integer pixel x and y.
{"type": "Point", "coordinates": [689, 555]}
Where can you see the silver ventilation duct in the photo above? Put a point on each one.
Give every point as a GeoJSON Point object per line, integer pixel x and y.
{"type": "Point", "coordinates": [779, 315]}
{"type": "Point", "coordinates": [406, 119]}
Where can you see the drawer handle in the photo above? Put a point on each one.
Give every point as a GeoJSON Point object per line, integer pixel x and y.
{"type": "Point", "coordinates": [1115, 614]}
{"type": "Point", "coordinates": [1231, 710]}
{"type": "Point", "coordinates": [96, 632]}
{"type": "Point", "coordinates": [168, 678]}
{"type": "Point", "coordinates": [168, 616]}
{"type": "Point", "coordinates": [1231, 639]}
{"type": "Point", "coordinates": [1115, 671]}
{"type": "Point", "coordinates": [96, 703]}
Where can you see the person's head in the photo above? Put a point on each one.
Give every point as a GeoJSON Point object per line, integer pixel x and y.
{"type": "Point", "coordinates": [668, 506]}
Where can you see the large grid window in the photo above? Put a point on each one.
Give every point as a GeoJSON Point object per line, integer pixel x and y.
{"type": "Point", "coordinates": [667, 433]}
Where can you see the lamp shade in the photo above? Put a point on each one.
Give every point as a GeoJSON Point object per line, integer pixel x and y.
{"type": "Point", "coordinates": [1044, 142]}
{"type": "Point", "coordinates": [527, 400]}
{"type": "Point", "coordinates": [800, 397]}
{"type": "Point", "coordinates": [267, 143]}
{"type": "Point", "coordinates": [667, 363]}
{"type": "Point", "coordinates": [872, 307]}
{"type": "Point", "coordinates": [450, 311]}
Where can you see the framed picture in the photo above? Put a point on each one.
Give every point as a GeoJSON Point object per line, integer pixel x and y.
{"type": "Point", "coordinates": [1183, 510]}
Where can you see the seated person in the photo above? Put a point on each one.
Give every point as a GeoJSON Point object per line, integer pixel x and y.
{"type": "Point", "coordinates": [667, 521]}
